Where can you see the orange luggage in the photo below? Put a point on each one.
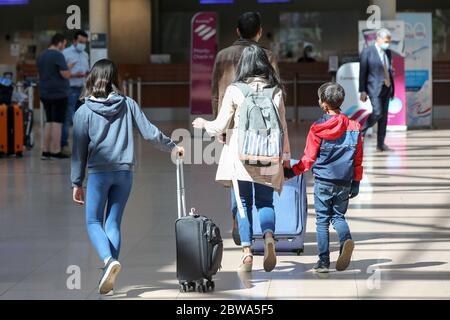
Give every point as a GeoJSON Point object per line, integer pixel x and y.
{"type": "Point", "coordinates": [11, 130]}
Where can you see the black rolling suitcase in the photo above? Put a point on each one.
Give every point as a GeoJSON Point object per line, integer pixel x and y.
{"type": "Point", "coordinates": [199, 245]}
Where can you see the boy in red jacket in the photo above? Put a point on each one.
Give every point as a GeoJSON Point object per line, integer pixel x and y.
{"type": "Point", "coordinates": [334, 152]}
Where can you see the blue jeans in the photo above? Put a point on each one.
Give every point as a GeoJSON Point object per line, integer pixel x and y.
{"type": "Point", "coordinates": [74, 95]}
{"type": "Point", "coordinates": [110, 190]}
{"type": "Point", "coordinates": [264, 205]}
{"type": "Point", "coordinates": [331, 203]}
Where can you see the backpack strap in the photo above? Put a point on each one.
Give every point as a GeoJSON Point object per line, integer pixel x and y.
{"type": "Point", "coordinates": [269, 92]}
{"type": "Point", "coordinates": [244, 87]}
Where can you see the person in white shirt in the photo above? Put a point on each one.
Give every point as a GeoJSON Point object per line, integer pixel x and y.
{"type": "Point", "coordinates": [77, 56]}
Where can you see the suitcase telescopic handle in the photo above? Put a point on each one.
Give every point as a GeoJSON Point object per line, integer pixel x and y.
{"type": "Point", "coordinates": [181, 200]}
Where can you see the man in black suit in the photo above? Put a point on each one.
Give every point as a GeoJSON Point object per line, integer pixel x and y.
{"type": "Point", "coordinates": [377, 82]}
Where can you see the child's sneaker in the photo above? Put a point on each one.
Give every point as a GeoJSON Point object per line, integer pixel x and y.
{"type": "Point", "coordinates": [322, 267]}
{"type": "Point", "coordinates": [345, 255]}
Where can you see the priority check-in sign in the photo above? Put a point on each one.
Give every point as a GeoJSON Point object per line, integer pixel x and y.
{"type": "Point", "coordinates": [203, 54]}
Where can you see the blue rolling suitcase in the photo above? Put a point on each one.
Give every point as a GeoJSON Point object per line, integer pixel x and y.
{"type": "Point", "coordinates": [291, 210]}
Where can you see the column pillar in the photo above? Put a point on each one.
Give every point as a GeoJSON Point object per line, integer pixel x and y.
{"type": "Point", "coordinates": [99, 16]}
{"type": "Point", "coordinates": [388, 8]}
{"type": "Point", "coordinates": [130, 31]}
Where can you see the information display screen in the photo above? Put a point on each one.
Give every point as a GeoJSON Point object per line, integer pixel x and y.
{"type": "Point", "coordinates": [13, 2]}
{"type": "Point", "coordinates": [216, 1]}
{"type": "Point", "coordinates": [274, 1]}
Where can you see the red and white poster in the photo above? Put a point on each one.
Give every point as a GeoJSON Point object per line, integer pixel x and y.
{"type": "Point", "coordinates": [203, 54]}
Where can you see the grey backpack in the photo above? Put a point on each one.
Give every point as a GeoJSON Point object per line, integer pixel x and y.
{"type": "Point", "coordinates": [260, 134]}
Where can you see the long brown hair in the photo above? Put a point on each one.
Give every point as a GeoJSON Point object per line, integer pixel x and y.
{"type": "Point", "coordinates": [102, 80]}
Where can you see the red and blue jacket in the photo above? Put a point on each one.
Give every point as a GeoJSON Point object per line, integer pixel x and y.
{"type": "Point", "coordinates": [333, 150]}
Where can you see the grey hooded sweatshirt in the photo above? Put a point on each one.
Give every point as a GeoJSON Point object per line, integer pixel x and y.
{"type": "Point", "coordinates": [103, 136]}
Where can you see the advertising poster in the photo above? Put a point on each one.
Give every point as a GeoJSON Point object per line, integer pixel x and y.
{"type": "Point", "coordinates": [348, 77]}
{"type": "Point", "coordinates": [367, 37]}
{"type": "Point", "coordinates": [418, 68]}
{"type": "Point", "coordinates": [203, 53]}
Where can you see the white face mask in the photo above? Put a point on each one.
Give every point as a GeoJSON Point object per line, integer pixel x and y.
{"type": "Point", "coordinates": [80, 47]}
{"type": "Point", "coordinates": [384, 46]}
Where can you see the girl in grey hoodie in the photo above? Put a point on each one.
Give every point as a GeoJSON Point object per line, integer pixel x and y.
{"type": "Point", "coordinates": [103, 142]}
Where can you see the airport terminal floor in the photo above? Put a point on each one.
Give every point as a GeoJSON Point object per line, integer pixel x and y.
{"type": "Point", "coordinates": [400, 223]}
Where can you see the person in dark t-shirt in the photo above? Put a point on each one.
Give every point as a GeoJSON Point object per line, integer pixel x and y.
{"type": "Point", "coordinates": [54, 89]}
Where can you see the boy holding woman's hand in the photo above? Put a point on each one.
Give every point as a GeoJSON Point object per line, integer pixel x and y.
{"type": "Point", "coordinates": [334, 147]}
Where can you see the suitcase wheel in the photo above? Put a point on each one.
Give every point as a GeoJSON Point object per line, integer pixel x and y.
{"type": "Point", "coordinates": [19, 154]}
{"type": "Point", "coordinates": [210, 285]}
{"type": "Point", "coordinates": [191, 286]}
{"type": "Point", "coordinates": [187, 287]}
{"type": "Point", "coordinates": [201, 287]}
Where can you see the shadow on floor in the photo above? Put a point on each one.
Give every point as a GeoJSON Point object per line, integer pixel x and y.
{"type": "Point", "coordinates": [293, 270]}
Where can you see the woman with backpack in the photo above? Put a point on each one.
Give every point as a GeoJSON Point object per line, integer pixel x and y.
{"type": "Point", "coordinates": [257, 92]}
{"type": "Point", "coordinates": [103, 141]}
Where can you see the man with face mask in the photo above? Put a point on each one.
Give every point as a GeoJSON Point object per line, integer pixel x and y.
{"type": "Point", "coordinates": [376, 82]}
{"type": "Point", "coordinates": [76, 55]}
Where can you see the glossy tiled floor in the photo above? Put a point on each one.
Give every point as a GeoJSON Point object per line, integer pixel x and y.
{"type": "Point", "coordinates": [400, 221]}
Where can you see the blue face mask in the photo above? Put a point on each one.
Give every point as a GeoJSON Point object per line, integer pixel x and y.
{"type": "Point", "coordinates": [384, 46]}
{"type": "Point", "coordinates": [80, 47]}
